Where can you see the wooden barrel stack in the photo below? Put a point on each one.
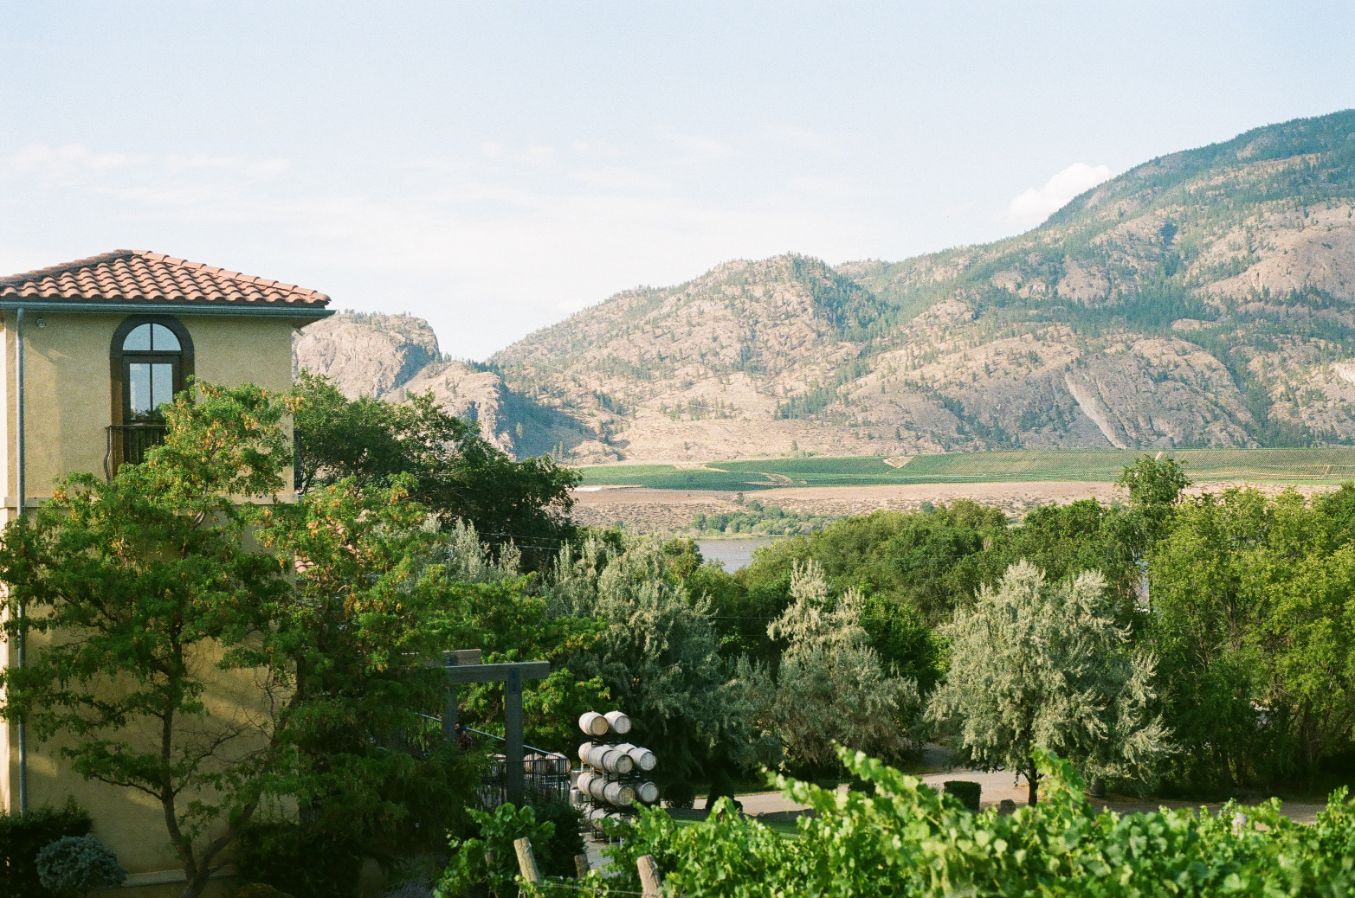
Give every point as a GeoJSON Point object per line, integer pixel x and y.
{"type": "Point", "coordinates": [612, 780]}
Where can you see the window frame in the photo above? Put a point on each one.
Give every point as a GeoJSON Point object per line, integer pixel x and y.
{"type": "Point", "coordinates": [120, 359]}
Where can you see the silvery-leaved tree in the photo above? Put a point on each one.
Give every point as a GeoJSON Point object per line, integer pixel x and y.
{"type": "Point", "coordinates": [831, 686]}
{"type": "Point", "coordinates": [1035, 664]}
{"type": "Point", "coordinates": [658, 654]}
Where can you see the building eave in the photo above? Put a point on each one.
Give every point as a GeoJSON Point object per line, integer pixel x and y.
{"type": "Point", "coordinates": [167, 308]}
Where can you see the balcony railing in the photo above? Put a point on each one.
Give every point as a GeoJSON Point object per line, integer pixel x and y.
{"type": "Point", "coordinates": [129, 443]}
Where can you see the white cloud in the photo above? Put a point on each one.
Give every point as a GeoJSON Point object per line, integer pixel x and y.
{"type": "Point", "coordinates": [618, 177]}
{"type": "Point", "coordinates": [75, 164]}
{"type": "Point", "coordinates": [701, 148]}
{"type": "Point", "coordinates": [1034, 205]}
{"type": "Point", "coordinates": [66, 162]}
{"type": "Point", "coordinates": [488, 245]}
{"type": "Point", "coordinates": [537, 155]}
{"type": "Point", "coordinates": [825, 186]}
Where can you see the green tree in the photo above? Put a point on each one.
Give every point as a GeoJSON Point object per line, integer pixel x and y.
{"type": "Point", "coordinates": [1066, 540]}
{"type": "Point", "coordinates": [1155, 486]}
{"type": "Point", "coordinates": [1254, 625]}
{"type": "Point", "coordinates": [137, 596]}
{"type": "Point", "coordinates": [194, 640]}
{"type": "Point", "coordinates": [505, 613]}
{"type": "Point", "coordinates": [1039, 665]}
{"type": "Point", "coordinates": [914, 565]}
{"type": "Point", "coordinates": [457, 474]}
{"type": "Point", "coordinates": [363, 625]}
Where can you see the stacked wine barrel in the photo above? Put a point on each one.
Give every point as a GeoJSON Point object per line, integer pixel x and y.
{"type": "Point", "coordinates": [613, 778]}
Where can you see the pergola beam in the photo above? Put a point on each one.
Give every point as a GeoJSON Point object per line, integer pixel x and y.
{"type": "Point", "coordinates": [464, 667]}
{"type": "Point", "coordinates": [460, 674]}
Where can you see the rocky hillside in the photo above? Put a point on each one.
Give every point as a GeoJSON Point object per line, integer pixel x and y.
{"type": "Point", "coordinates": [393, 356]}
{"type": "Point", "coordinates": [1202, 299]}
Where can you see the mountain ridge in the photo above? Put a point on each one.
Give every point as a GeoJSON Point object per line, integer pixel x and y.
{"type": "Point", "coordinates": [1202, 298]}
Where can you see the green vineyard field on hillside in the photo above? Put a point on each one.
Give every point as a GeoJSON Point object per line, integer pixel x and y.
{"type": "Point", "coordinates": [1284, 466]}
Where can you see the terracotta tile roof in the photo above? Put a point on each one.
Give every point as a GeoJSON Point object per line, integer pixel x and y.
{"type": "Point", "coordinates": [128, 275]}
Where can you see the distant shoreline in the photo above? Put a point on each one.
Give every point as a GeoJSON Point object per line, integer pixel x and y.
{"type": "Point", "coordinates": [672, 511]}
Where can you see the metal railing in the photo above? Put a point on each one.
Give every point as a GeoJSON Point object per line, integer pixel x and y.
{"type": "Point", "coordinates": [546, 775]}
{"type": "Point", "coordinates": [129, 443]}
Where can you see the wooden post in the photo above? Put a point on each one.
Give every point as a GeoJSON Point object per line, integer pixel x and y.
{"type": "Point", "coordinates": [450, 706]}
{"type": "Point", "coordinates": [581, 865]}
{"type": "Point", "coordinates": [526, 860]}
{"type": "Point", "coordinates": [512, 720]}
{"type": "Point", "coordinates": [649, 876]}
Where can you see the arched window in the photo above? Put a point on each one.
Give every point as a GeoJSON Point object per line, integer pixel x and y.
{"type": "Point", "coordinates": [152, 359]}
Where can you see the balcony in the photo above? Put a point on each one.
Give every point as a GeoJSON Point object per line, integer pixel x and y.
{"type": "Point", "coordinates": [129, 443]}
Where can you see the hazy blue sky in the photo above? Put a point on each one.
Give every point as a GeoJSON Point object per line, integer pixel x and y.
{"type": "Point", "coordinates": [496, 166]}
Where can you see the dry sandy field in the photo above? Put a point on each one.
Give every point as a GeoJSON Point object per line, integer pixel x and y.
{"type": "Point", "coordinates": [669, 511]}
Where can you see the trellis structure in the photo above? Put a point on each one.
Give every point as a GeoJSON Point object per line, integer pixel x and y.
{"type": "Point", "coordinates": [464, 667]}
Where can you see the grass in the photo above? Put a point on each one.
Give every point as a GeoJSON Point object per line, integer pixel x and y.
{"type": "Point", "coordinates": [1283, 466]}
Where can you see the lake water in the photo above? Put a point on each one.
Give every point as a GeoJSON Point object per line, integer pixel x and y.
{"type": "Point", "coordinates": [732, 554]}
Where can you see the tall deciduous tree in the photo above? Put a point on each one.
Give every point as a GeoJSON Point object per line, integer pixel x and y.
{"type": "Point", "coordinates": [1044, 665]}
{"type": "Point", "coordinates": [194, 641]}
{"type": "Point", "coordinates": [362, 624]}
{"type": "Point", "coordinates": [456, 474]}
{"type": "Point", "coordinates": [1254, 623]}
{"type": "Point", "coordinates": [502, 611]}
{"type": "Point", "coordinates": [1155, 486]}
{"type": "Point", "coordinates": [138, 597]}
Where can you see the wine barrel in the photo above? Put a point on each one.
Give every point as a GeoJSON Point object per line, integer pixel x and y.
{"type": "Point", "coordinates": [598, 817]}
{"type": "Point", "coordinates": [644, 758]}
{"type": "Point", "coordinates": [611, 791]}
{"type": "Point", "coordinates": [619, 722]}
{"type": "Point", "coordinates": [594, 724]}
{"type": "Point", "coordinates": [619, 794]}
{"type": "Point", "coordinates": [647, 792]}
{"type": "Point", "coordinates": [609, 758]}
{"type": "Point", "coordinates": [584, 749]}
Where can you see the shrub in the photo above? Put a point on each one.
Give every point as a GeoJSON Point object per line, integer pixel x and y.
{"type": "Point", "coordinates": [72, 865]}
{"type": "Point", "coordinates": [22, 836]}
{"type": "Point", "coordinates": [555, 856]}
{"type": "Point", "coordinates": [302, 861]}
{"type": "Point", "coordinates": [968, 793]}
{"type": "Point", "coordinates": [680, 795]}
{"type": "Point", "coordinates": [489, 862]}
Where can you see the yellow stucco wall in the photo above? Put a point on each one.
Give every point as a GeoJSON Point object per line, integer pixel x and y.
{"type": "Point", "coordinates": [68, 384]}
{"type": "Point", "coordinates": [130, 822]}
{"type": "Point", "coordinates": [68, 405]}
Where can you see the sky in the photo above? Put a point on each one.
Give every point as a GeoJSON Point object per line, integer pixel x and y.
{"type": "Point", "coordinates": [496, 167]}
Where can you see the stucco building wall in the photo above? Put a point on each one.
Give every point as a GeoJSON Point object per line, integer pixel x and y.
{"type": "Point", "coordinates": [68, 406]}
